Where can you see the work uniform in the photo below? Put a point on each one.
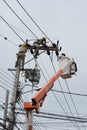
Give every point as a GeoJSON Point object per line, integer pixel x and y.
{"type": "Point", "coordinates": [37, 43]}
{"type": "Point", "coordinates": [21, 55]}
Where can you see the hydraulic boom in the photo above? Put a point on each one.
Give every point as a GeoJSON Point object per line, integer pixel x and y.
{"type": "Point", "coordinates": [65, 71]}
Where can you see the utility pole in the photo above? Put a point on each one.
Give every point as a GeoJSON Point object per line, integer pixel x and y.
{"type": "Point", "coordinates": [13, 100]}
{"type": "Point", "coordinates": [19, 65]}
{"type": "Point", "coordinates": [5, 110]}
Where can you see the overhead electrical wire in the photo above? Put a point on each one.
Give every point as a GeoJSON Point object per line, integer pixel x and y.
{"type": "Point", "coordinates": [20, 30]}
{"type": "Point", "coordinates": [16, 28]}
{"type": "Point", "coordinates": [6, 84]}
{"type": "Point", "coordinates": [5, 73]}
{"type": "Point", "coordinates": [19, 18]}
{"type": "Point", "coordinates": [36, 126]}
{"type": "Point", "coordinates": [42, 124]}
{"type": "Point", "coordinates": [33, 21]}
{"type": "Point", "coordinates": [5, 76]}
{"type": "Point", "coordinates": [3, 86]}
{"type": "Point", "coordinates": [41, 70]}
{"type": "Point", "coordinates": [58, 123]}
{"type": "Point", "coordinates": [11, 28]}
{"type": "Point", "coordinates": [61, 118]}
{"type": "Point", "coordinates": [20, 119]}
{"type": "Point", "coordinates": [73, 102]}
{"type": "Point", "coordinates": [72, 93]}
{"type": "Point", "coordinates": [74, 120]}
{"type": "Point", "coordinates": [60, 115]}
{"type": "Point", "coordinates": [6, 80]}
{"type": "Point", "coordinates": [44, 66]}
{"type": "Point", "coordinates": [5, 38]}
{"type": "Point", "coordinates": [69, 106]}
{"type": "Point", "coordinates": [60, 103]}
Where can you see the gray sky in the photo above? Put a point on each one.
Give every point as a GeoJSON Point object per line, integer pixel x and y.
{"type": "Point", "coordinates": [63, 20]}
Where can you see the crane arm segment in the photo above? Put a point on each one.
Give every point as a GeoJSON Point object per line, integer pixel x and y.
{"type": "Point", "coordinates": [41, 94]}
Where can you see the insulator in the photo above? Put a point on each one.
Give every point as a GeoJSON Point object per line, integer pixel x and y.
{"type": "Point", "coordinates": [31, 51]}
{"type": "Point", "coordinates": [48, 52]}
{"type": "Point", "coordinates": [57, 43]}
{"type": "Point", "coordinates": [54, 45]}
{"type": "Point", "coordinates": [57, 53]}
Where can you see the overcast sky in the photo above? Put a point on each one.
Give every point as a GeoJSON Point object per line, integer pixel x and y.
{"type": "Point", "coordinates": [63, 20]}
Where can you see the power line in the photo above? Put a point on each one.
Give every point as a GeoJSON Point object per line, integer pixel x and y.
{"type": "Point", "coordinates": [5, 38]}
{"type": "Point", "coordinates": [11, 27]}
{"type": "Point", "coordinates": [20, 30]}
{"type": "Point", "coordinates": [6, 73]}
{"type": "Point", "coordinates": [6, 81]}
{"type": "Point", "coordinates": [19, 18]}
{"type": "Point", "coordinates": [33, 21]}
{"type": "Point", "coordinates": [1, 74]}
{"type": "Point", "coordinates": [75, 94]}
{"type": "Point", "coordinates": [59, 115]}
{"type": "Point", "coordinates": [73, 101]}
{"type": "Point", "coordinates": [41, 70]}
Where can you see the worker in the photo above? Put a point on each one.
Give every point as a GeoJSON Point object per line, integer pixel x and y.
{"type": "Point", "coordinates": [62, 60]}
{"type": "Point", "coordinates": [68, 71]}
{"type": "Point", "coordinates": [21, 55]}
{"type": "Point", "coordinates": [73, 68]}
{"type": "Point", "coordinates": [37, 43]}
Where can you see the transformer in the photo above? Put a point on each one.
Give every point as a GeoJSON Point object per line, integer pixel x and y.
{"type": "Point", "coordinates": [33, 75]}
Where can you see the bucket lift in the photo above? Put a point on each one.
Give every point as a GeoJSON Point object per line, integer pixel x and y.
{"type": "Point", "coordinates": [69, 70]}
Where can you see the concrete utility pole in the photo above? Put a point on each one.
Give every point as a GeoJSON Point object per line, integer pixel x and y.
{"type": "Point", "coordinates": [19, 65]}
{"type": "Point", "coordinates": [5, 110]}
{"type": "Point", "coordinates": [13, 101]}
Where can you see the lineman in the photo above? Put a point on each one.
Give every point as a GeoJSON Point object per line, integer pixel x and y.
{"type": "Point", "coordinates": [21, 55]}
{"type": "Point", "coordinates": [37, 43]}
